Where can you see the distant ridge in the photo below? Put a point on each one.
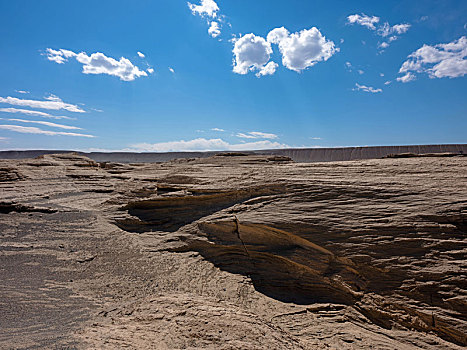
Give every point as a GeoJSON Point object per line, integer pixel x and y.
{"type": "Point", "coordinates": [297, 154]}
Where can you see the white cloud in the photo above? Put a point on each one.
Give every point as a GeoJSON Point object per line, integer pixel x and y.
{"type": "Point", "coordinates": [218, 129]}
{"type": "Point", "coordinates": [438, 61]}
{"type": "Point", "coordinates": [251, 53]}
{"type": "Point", "coordinates": [59, 56]}
{"type": "Point", "coordinates": [359, 87]}
{"type": "Point", "coordinates": [363, 20]}
{"type": "Point", "coordinates": [257, 135]}
{"type": "Point", "coordinates": [52, 102]}
{"type": "Point", "coordinates": [202, 144]}
{"type": "Point", "coordinates": [383, 45]}
{"type": "Point", "coordinates": [268, 69]}
{"type": "Point", "coordinates": [361, 72]}
{"type": "Point", "coordinates": [214, 29]}
{"type": "Point", "coordinates": [387, 30]}
{"type": "Point", "coordinates": [387, 82]}
{"type": "Point", "coordinates": [150, 70]}
{"type": "Point", "coordinates": [33, 113]}
{"type": "Point", "coordinates": [302, 49]}
{"type": "Point", "coordinates": [406, 78]}
{"type": "Point", "coordinates": [53, 125]}
{"type": "Point", "coordinates": [34, 130]}
{"type": "Point", "coordinates": [171, 70]}
{"type": "Point", "coordinates": [98, 63]}
{"type": "Point", "coordinates": [207, 8]}
{"type": "Point", "coordinates": [384, 30]}
{"type": "Point", "coordinates": [22, 91]}
{"type": "Point", "coordinates": [316, 138]}
{"type": "Point", "coordinates": [140, 54]}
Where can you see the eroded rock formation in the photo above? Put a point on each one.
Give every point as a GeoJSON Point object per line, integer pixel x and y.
{"type": "Point", "coordinates": [234, 251]}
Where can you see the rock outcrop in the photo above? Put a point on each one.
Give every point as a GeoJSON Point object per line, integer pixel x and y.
{"type": "Point", "coordinates": [234, 251]}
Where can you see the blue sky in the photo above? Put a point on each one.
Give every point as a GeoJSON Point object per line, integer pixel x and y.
{"type": "Point", "coordinates": [231, 74]}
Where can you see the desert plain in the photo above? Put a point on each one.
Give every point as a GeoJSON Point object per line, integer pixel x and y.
{"type": "Point", "coordinates": [233, 252]}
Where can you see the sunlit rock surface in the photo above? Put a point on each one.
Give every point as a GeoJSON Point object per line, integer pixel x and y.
{"type": "Point", "coordinates": [233, 252]}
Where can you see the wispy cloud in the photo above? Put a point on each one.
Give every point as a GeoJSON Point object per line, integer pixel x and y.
{"type": "Point", "coordinates": [98, 63]}
{"type": "Point", "coordinates": [52, 102]}
{"type": "Point", "coordinates": [218, 129]}
{"type": "Point", "coordinates": [33, 113]}
{"type": "Point", "coordinates": [365, 88]}
{"type": "Point", "coordinates": [22, 91]}
{"type": "Point", "coordinates": [384, 30]}
{"type": "Point", "coordinates": [202, 144]}
{"type": "Point", "coordinates": [256, 135]}
{"type": "Point", "coordinates": [54, 125]}
{"type": "Point", "coordinates": [34, 130]}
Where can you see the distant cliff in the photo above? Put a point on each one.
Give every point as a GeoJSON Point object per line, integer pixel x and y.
{"type": "Point", "coordinates": [297, 154]}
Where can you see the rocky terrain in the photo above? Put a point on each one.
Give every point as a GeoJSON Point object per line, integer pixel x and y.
{"type": "Point", "coordinates": [233, 252]}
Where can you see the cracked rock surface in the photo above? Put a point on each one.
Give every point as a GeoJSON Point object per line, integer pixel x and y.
{"type": "Point", "coordinates": [233, 252]}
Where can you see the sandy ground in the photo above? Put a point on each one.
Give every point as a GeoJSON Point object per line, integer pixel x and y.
{"type": "Point", "coordinates": [233, 253]}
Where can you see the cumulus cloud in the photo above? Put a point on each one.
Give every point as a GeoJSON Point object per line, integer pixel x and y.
{"type": "Point", "coordinates": [171, 70]}
{"type": "Point", "coordinates": [98, 63]}
{"type": "Point", "coordinates": [207, 8]}
{"type": "Point", "coordinates": [365, 88]}
{"type": "Point", "coordinates": [33, 113]}
{"type": "Point", "coordinates": [438, 61]}
{"type": "Point", "coordinates": [150, 70]}
{"type": "Point", "coordinates": [214, 29]}
{"type": "Point", "coordinates": [202, 144]}
{"type": "Point", "coordinates": [140, 54]}
{"type": "Point", "coordinates": [34, 130]}
{"type": "Point", "coordinates": [51, 102]}
{"type": "Point", "coordinates": [218, 129]}
{"type": "Point", "coordinates": [251, 53]}
{"type": "Point", "coordinates": [302, 49]}
{"type": "Point", "coordinates": [257, 135]}
{"type": "Point", "coordinates": [53, 125]}
{"type": "Point", "coordinates": [384, 30]}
